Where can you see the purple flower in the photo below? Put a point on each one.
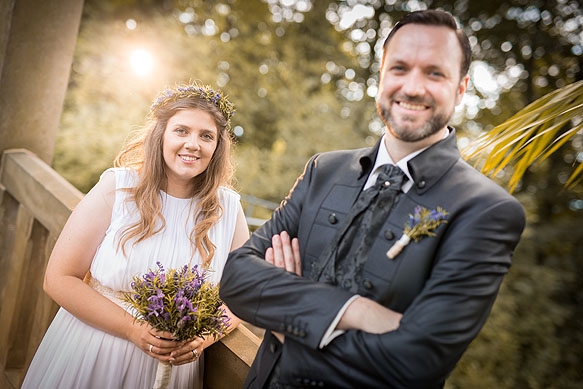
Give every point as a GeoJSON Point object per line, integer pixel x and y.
{"type": "Point", "coordinates": [182, 322]}
{"type": "Point", "coordinates": [424, 221]}
{"type": "Point", "coordinates": [156, 306]}
{"type": "Point", "coordinates": [436, 215]}
{"type": "Point", "coordinates": [415, 218]}
{"type": "Point", "coordinates": [182, 302]}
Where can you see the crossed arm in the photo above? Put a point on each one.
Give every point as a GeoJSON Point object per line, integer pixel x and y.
{"type": "Point", "coordinates": [420, 348]}
{"type": "Point", "coordinates": [432, 334]}
{"type": "Point", "coordinates": [360, 313]}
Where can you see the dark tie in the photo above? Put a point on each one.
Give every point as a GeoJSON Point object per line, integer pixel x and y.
{"type": "Point", "coordinates": [341, 264]}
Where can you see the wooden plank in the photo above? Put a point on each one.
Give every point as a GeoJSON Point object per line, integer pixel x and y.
{"type": "Point", "coordinates": [228, 361]}
{"type": "Point", "coordinates": [8, 212]}
{"type": "Point", "coordinates": [30, 292]}
{"type": "Point", "coordinates": [45, 308]}
{"type": "Point", "coordinates": [12, 299]}
{"type": "Point", "coordinates": [35, 185]}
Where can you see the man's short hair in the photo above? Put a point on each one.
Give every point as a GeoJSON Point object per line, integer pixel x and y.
{"type": "Point", "coordinates": [437, 18]}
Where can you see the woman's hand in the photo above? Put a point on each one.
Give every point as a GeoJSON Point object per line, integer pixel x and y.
{"type": "Point", "coordinates": [157, 344]}
{"type": "Point", "coordinates": [191, 350]}
{"type": "Point", "coordinates": [188, 352]}
{"type": "Point", "coordinates": [285, 253]}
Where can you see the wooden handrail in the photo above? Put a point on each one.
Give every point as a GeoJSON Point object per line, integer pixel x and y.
{"type": "Point", "coordinates": [35, 203]}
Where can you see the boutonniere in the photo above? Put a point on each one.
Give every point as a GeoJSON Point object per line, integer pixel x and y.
{"type": "Point", "coordinates": [422, 223]}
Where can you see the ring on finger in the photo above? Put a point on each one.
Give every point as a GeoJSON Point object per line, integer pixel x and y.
{"type": "Point", "coordinates": [194, 354]}
{"type": "Point", "coordinates": [150, 348]}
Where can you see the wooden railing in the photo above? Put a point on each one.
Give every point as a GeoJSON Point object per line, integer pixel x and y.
{"type": "Point", "coordinates": [35, 203]}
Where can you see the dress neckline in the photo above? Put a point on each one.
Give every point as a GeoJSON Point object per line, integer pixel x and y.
{"type": "Point", "coordinates": [166, 195]}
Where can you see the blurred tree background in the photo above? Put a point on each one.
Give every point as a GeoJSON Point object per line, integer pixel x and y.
{"type": "Point", "coordinates": [303, 75]}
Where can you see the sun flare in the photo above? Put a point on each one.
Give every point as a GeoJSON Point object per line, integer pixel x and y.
{"type": "Point", "coordinates": [142, 62]}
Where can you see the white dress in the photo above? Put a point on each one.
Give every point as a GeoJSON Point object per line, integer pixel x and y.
{"type": "Point", "coordinates": [75, 355]}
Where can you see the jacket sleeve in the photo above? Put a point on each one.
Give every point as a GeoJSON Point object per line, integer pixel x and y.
{"type": "Point", "coordinates": [267, 296]}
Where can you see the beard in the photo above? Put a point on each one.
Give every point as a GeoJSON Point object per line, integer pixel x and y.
{"type": "Point", "coordinates": [409, 132]}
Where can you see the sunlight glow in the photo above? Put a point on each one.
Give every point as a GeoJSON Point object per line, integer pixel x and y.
{"type": "Point", "coordinates": [483, 78]}
{"type": "Point", "coordinates": [131, 24]}
{"type": "Point", "coordinates": [142, 62]}
{"type": "Point", "coordinates": [350, 16]}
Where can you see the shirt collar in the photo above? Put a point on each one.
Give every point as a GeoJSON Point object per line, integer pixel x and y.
{"type": "Point", "coordinates": [383, 158]}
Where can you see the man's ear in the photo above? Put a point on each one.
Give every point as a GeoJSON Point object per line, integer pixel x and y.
{"type": "Point", "coordinates": [462, 87]}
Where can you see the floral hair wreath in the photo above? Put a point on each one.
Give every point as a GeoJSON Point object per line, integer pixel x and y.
{"type": "Point", "coordinates": [186, 91]}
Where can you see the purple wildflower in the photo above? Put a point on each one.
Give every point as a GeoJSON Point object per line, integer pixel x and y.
{"type": "Point", "coordinates": [182, 303]}
{"type": "Point", "coordinates": [156, 306]}
{"type": "Point", "coordinates": [436, 215]}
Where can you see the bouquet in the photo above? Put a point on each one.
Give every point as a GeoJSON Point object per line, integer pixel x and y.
{"type": "Point", "coordinates": [179, 301]}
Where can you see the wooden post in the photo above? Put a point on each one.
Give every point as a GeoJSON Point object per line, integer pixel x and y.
{"type": "Point", "coordinates": [37, 42]}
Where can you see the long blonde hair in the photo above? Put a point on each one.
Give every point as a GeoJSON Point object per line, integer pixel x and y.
{"type": "Point", "coordinates": [144, 154]}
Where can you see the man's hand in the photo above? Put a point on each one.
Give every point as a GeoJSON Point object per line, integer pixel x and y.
{"type": "Point", "coordinates": [285, 253]}
{"type": "Point", "coordinates": [369, 316]}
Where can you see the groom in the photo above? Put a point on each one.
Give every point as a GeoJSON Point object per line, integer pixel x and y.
{"type": "Point", "coordinates": [338, 310]}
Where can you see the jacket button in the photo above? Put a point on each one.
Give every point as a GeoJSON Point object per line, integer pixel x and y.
{"type": "Point", "coordinates": [367, 284]}
{"type": "Point", "coordinates": [389, 235]}
{"type": "Point", "coordinates": [332, 218]}
{"type": "Point", "coordinates": [421, 184]}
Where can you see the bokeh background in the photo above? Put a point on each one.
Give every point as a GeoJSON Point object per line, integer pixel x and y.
{"type": "Point", "coordinates": [303, 75]}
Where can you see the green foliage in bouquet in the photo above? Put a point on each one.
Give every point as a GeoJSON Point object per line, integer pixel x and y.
{"type": "Point", "coordinates": [180, 301]}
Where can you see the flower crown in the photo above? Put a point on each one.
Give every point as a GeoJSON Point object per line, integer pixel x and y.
{"type": "Point", "coordinates": [226, 108]}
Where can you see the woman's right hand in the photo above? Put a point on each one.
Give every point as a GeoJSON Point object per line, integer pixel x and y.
{"type": "Point", "coordinates": [157, 344]}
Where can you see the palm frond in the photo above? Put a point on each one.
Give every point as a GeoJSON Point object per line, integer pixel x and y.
{"type": "Point", "coordinates": [532, 135]}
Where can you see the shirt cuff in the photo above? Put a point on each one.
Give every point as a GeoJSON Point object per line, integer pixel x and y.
{"type": "Point", "coordinates": [332, 332]}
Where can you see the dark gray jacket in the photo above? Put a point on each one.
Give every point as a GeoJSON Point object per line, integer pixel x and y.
{"type": "Point", "coordinates": [444, 285]}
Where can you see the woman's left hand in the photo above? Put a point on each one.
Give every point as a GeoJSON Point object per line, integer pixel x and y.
{"type": "Point", "coordinates": [189, 352]}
